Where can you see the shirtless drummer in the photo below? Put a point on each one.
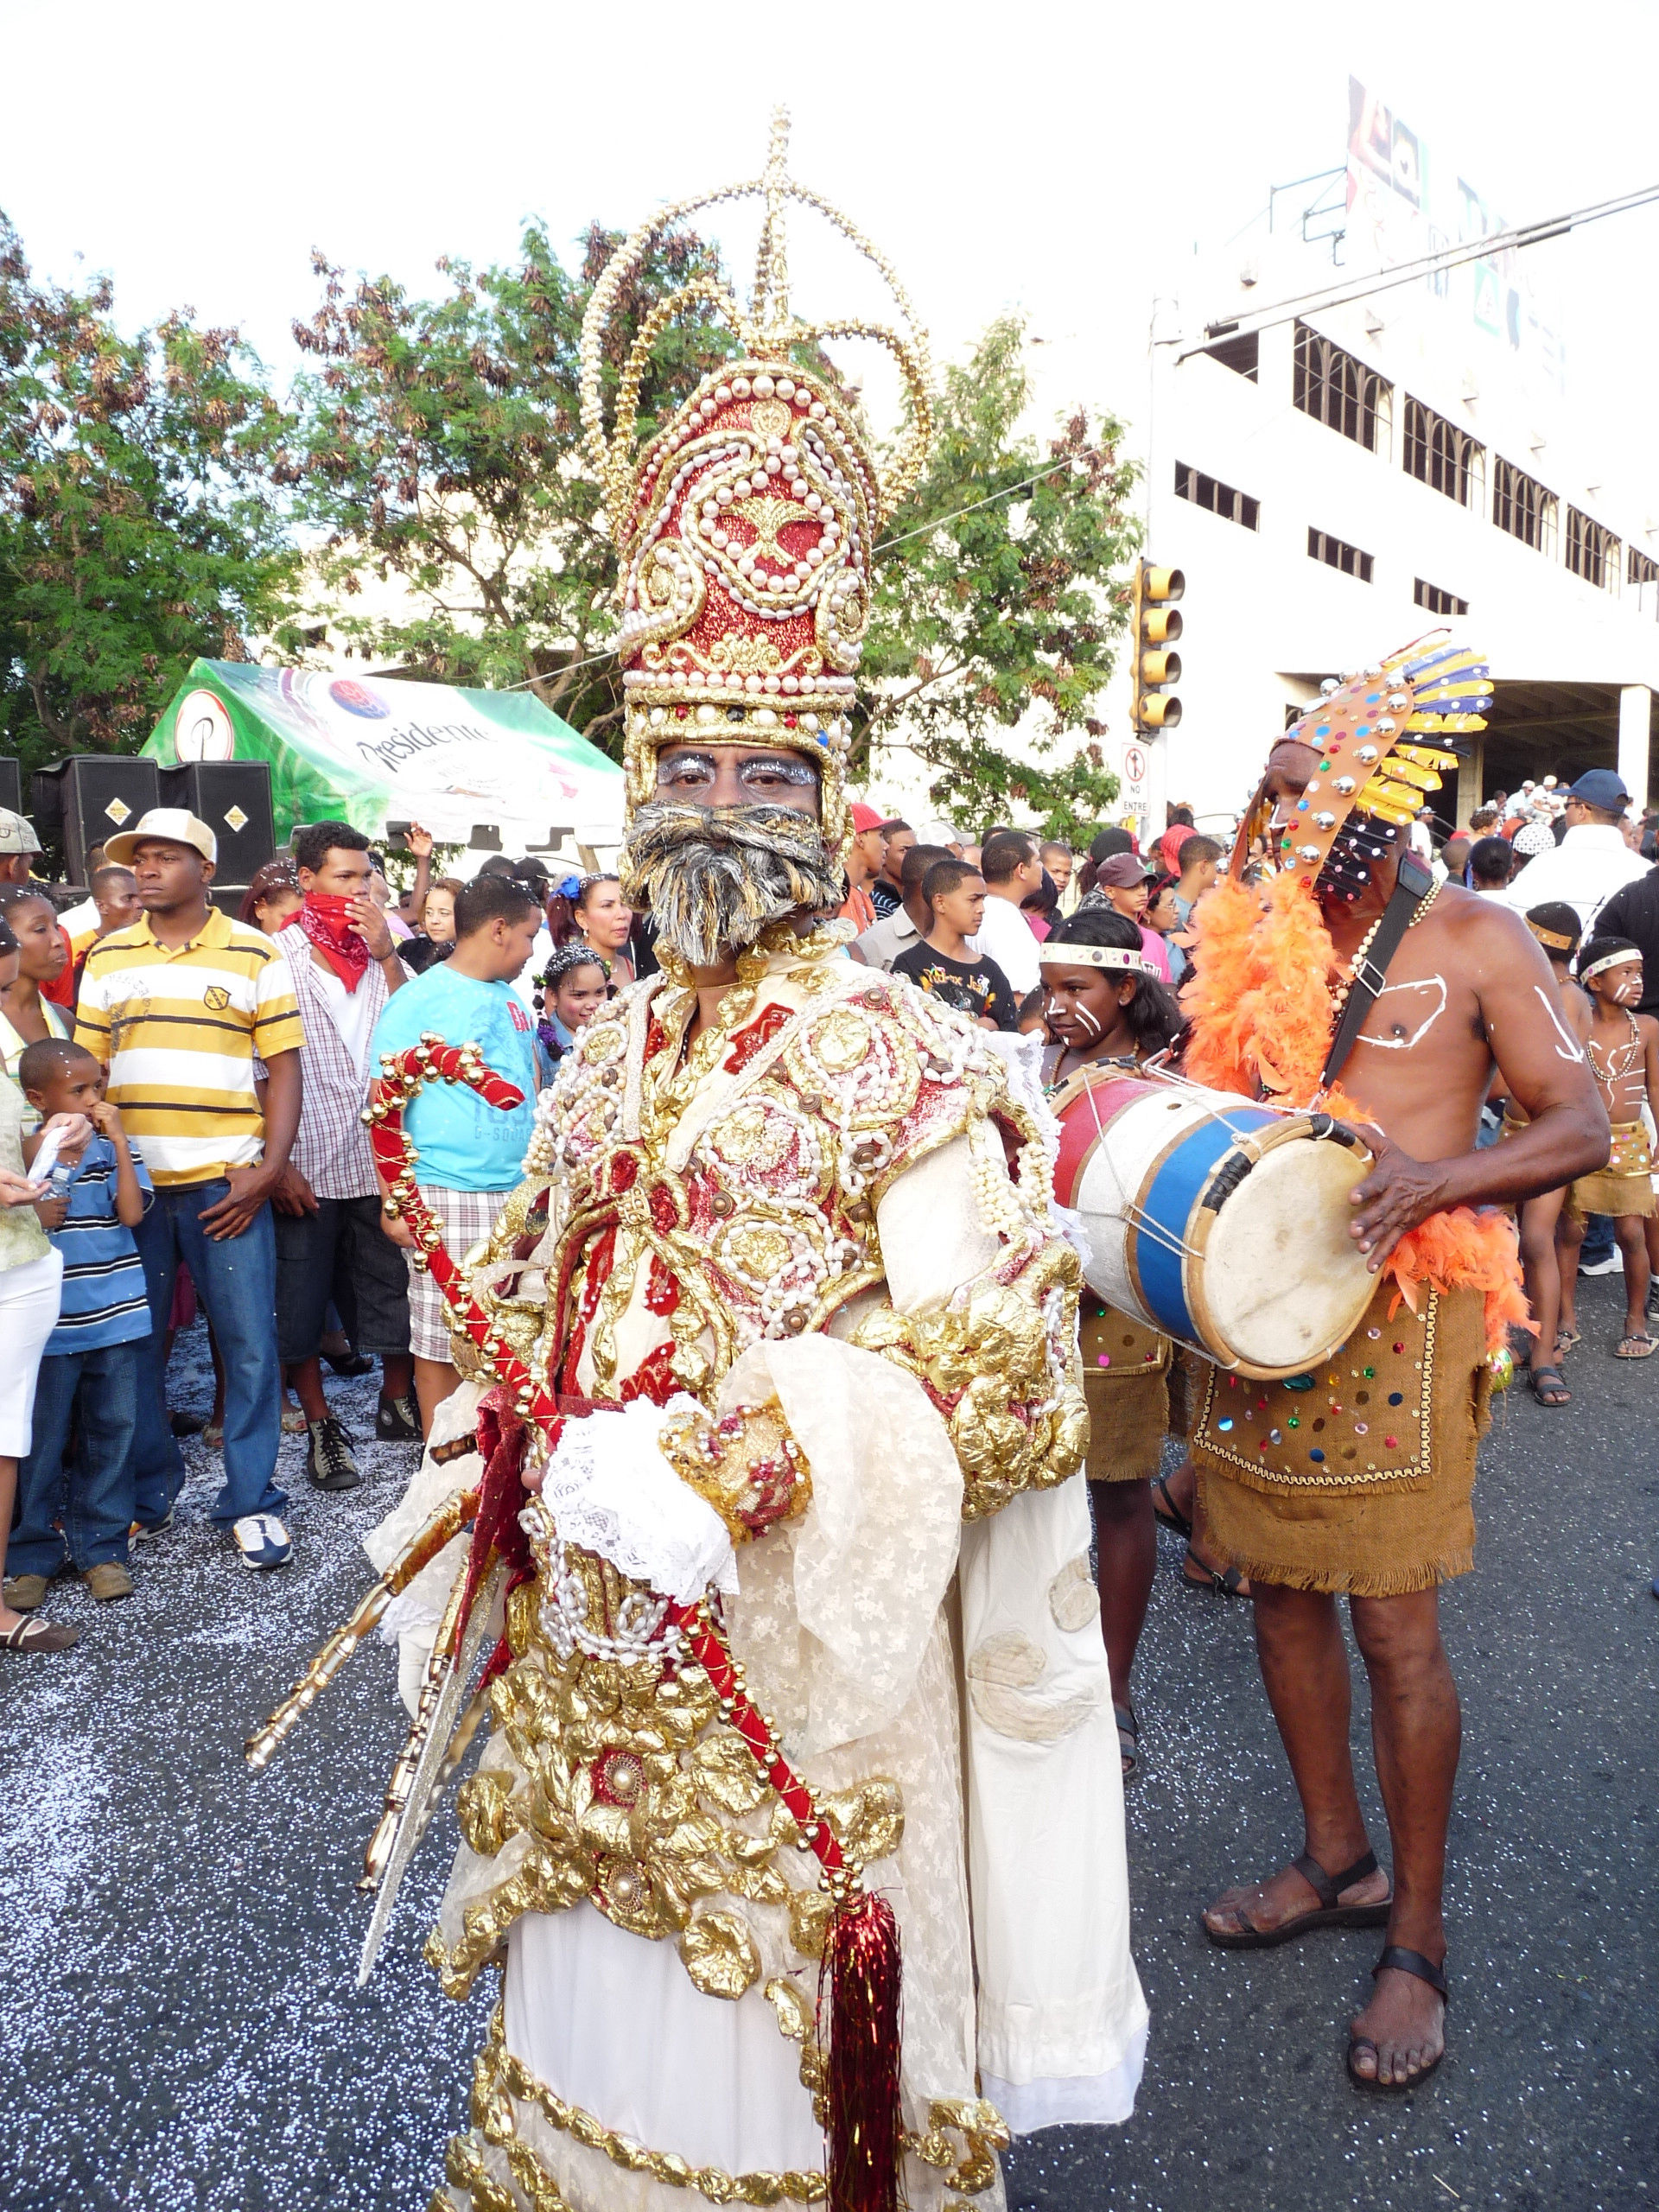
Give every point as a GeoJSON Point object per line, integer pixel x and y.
{"type": "Point", "coordinates": [1355, 1479]}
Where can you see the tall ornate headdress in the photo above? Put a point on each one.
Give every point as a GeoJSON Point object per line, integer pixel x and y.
{"type": "Point", "coordinates": [746, 527]}
{"type": "Point", "coordinates": [1370, 781]}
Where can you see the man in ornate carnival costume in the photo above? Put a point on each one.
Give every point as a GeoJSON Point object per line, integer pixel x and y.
{"type": "Point", "coordinates": [1357, 1479]}
{"type": "Point", "coordinates": [799, 1403]}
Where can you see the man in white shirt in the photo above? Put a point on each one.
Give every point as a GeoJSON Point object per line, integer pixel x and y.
{"type": "Point", "coordinates": [1593, 860]}
{"type": "Point", "coordinates": [1012, 871]}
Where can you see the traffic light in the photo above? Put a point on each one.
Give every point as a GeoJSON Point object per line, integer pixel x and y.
{"type": "Point", "coordinates": [1157, 626]}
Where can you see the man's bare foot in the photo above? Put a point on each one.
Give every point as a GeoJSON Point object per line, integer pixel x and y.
{"type": "Point", "coordinates": [1401, 2035]}
{"type": "Point", "coordinates": [1275, 1910]}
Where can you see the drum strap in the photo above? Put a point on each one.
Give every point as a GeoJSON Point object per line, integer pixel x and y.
{"type": "Point", "coordinates": [1412, 885]}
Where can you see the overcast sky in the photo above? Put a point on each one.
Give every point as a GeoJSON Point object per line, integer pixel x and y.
{"type": "Point", "coordinates": [1060, 159]}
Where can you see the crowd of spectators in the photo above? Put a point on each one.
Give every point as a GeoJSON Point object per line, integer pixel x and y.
{"type": "Point", "coordinates": [181, 1111]}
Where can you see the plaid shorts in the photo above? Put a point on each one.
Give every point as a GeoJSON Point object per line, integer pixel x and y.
{"type": "Point", "coordinates": [466, 1218]}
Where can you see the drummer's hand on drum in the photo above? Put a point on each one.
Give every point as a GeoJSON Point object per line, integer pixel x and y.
{"type": "Point", "coordinates": [1398, 1193]}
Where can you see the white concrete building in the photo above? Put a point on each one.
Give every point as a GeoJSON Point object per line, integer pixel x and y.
{"type": "Point", "coordinates": [1338, 484]}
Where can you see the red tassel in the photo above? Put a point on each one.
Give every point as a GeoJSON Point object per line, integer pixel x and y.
{"type": "Point", "coordinates": [860, 1965]}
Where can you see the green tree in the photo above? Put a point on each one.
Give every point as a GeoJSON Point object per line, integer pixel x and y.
{"type": "Point", "coordinates": [140, 521]}
{"type": "Point", "coordinates": [1008, 614]}
{"type": "Point", "coordinates": [442, 455]}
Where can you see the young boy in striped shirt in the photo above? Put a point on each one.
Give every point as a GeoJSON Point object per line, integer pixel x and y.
{"type": "Point", "coordinates": [88, 1387]}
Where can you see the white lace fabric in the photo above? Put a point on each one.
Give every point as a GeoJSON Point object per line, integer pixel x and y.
{"type": "Point", "coordinates": [607, 1488]}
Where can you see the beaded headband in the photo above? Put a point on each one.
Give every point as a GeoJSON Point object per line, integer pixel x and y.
{"type": "Point", "coordinates": [1366, 768]}
{"type": "Point", "coordinates": [1553, 938]}
{"type": "Point", "coordinates": [746, 527]}
{"type": "Point", "coordinates": [1092, 956]}
{"type": "Point", "coordinates": [1609, 960]}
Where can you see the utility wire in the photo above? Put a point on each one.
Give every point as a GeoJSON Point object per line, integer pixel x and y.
{"type": "Point", "coordinates": [1411, 272]}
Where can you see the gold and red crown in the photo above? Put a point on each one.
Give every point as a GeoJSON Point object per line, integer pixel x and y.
{"type": "Point", "coordinates": [747, 526]}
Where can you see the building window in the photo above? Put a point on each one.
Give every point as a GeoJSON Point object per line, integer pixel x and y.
{"type": "Point", "coordinates": [1436, 601]}
{"type": "Point", "coordinates": [1221, 498]}
{"type": "Point", "coordinates": [1592, 551]}
{"type": "Point", "coordinates": [1340, 392]}
{"type": "Point", "coordinates": [1440, 455]}
{"type": "Point", "coordinates": [1521, 506]}
{"type": "Point", "coordinates": [1242, 355]}
{"type": "Point", "coordinates": [1642, 573]}
{"type": "Point", "coordinates": [1336, 554]}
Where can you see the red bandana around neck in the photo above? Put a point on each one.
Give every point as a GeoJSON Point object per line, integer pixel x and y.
{"type": "Point", "coordinates": [325, 919]}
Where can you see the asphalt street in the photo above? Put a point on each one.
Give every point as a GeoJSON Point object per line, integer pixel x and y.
{"type": "Point", "coordinates": [180, 2026]}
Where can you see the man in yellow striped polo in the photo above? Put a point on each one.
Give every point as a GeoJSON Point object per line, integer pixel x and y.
{"type": "Point", "coordinates": [178, 1007]}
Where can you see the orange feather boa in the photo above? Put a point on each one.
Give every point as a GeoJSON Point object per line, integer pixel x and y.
{"type": "Point", "coordinates": [1261, 1007]}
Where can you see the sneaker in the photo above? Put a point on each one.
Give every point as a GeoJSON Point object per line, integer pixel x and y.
{"type": "Point", "coordinates": [25, 1592]}
{"type": "Point", "coordinates": [37, 1635]}
{"type": "Point", "coordinates": [183, 1424]}
{"type": "Point", "coordinates": [396, 1420]}
{"type": "Point", "coordinates": [214, 1436]}
{"type": "Point", "coordinates": [1612, 1265]}
{"type": "Point", "coordinates": [293, 1420]}
{"type": "Point", "coordinates": [328, 1460]}
{"type": "Point", "coordinates": [261, 1540]}
{"type": "Point", "coordinates": [142, 1531]}
{"type": "Point", "coordinates": [110, 1579]}
{"type": "Point", "coordinates": [349, 1362]}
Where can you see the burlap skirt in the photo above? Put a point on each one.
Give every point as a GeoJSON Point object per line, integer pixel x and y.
{"type": "Point", "coordinates": [1360, 1481]}
{"type": "Point", "coordinates": [1126, 1370]}
{"type": "Point", "coordinates": [1624, 1185]}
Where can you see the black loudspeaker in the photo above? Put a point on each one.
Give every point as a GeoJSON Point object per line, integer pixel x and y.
{"type": "Point", "coordinates": [233, 798]}
{"type": "Point", "coordinates": [86, 799]}
{"type": "Point", "coordinates": [11, 784]}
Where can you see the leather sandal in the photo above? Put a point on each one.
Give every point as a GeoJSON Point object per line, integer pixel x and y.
{"type": "Point", "coordinates": [1226, 1581]}
{"type": "Point", "coordinates": [1128, 1739]}
{"type": "Point", "coordinates": [1327, 1914]}
{"type": "Point", "coordinates": [1403, 1961]}
{"type": "Point", "coordinates": [36, 1634]}
{"type": "Point", "coordinates": [1165, 1508]}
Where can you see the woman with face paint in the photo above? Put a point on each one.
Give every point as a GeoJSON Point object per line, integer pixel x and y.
{"type": "Point", "coordinates": [1103, 1009]}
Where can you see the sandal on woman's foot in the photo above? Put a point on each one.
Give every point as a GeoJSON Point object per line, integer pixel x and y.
{"type": "Point", "coordinates": [37, 1635]}
{"type": "Point", "coordinates": [1639, 1345]}
{"type": "Point", "coordinates": [1327, 1914]}
{"type": "Point", "coordinates": [1548, 1387]}
{"type": "Point", "coordinates": [1402, 1961]}
{"type": "Point", "coordinates": [1128, 1739]}
{"type": "Point", "coordinates": [1565, 1340]}
{"type": "Point", "coordinates": [1226, 1580]}
{"type": "Point", "coordinates": [1165, 1510]}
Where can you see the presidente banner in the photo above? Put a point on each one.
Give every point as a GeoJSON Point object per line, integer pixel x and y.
{"type": "Point", "coordinates": [368, 749]}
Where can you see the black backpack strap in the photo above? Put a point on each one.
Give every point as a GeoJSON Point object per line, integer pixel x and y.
{"type": "Point", "coordinates": [1412, 885]}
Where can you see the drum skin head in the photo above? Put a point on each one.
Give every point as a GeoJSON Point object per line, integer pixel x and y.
{"type": "Point", "coordinates": [1282, 1278]}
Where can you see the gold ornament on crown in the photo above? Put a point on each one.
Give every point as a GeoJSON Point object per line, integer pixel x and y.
{"type": "Point", "coordinates": [746, 527]}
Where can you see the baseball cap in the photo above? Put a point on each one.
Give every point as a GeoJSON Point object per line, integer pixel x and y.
{"type": "Point", "coordinates": [865, 817]}
{"type": "Point", "coordinates": [1603, 788]}
{"type": "Point", "coordinates": [18, 833]}
{"type": "Point", "coordinates": [176, 824]}
{"type": "Point", "coordinates": [1121, 872]}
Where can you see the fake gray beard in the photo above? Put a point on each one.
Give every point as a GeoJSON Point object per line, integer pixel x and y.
{"type": "Point", "coordinates": [713, 879]}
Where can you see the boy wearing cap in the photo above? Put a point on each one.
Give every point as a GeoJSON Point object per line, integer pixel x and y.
{"type": "Point", "coordinates": [177, 1008]}
{"type": "Point", "coordinates": [1593, 860]}
{"type": "Point", "coordinates": [864, 856]}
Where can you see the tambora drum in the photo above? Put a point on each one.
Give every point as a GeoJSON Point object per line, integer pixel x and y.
{"type": "Point", "coordinates": [1224, 1224]}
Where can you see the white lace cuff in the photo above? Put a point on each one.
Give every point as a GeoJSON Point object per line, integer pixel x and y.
{"type": "Point", "coordinates": [609, 1489]}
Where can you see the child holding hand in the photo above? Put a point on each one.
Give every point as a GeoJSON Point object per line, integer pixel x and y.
{"type": "Point", "coordinates": [88, 1385]}
{"type": "Point", "coordinates": [1623, 1049]}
